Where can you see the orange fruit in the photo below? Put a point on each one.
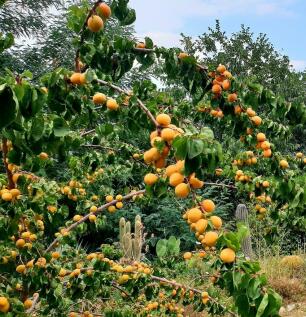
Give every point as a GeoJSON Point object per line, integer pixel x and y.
{"type": "Point", "coordinates": [182, 190]}
{"type": "Point", "coordinates": [216, 222]}
{"type": "Point", "coordinates": [250, 112]}
{"type": "Point", "coordinates": [78, 79]}
{"type": "Point", "coordinates": [227, 74]}
{"type": "Point", "coordinates": [187, 255]}
{"type": "Point", "coordinates": [195, 182]}
{"type": "Point", "coordinates": [261, 137]}
{"type": "Point", "coordinates": [221, 69]}
{"type": "Point", "coordinates": [175, 179]}
{"type": "Point", "coordinates": [43, 156]}
{"type": "Point", "coordinates": [171, 169]}
{"type": "Point", "coordinates": [141, 45]}
{"type": "Point", "coordinates": [182, 55]}
{"type": "Point", "coordinates": [283, 164]}
{"type": "Point", "coordinates": [201, 225]}
{"type": "Point", "coordinates": [208, 205]}
{"type": "Point", "coordinates": [163, 119]}
{"type": "Point", "coordinates": [267, 153]}
{"type": "Point", "coordinates": [7, 196]}
{"type": "Point", "coordinates": [99, 99]}
{"type": "Point", "coordinates": [150, 179]}
{"type": "Point", "coordinates": [210, 238]}
{"type": "Point", "coordinates": [27, 304]}
{"type": "Point", "coordinates": [112, 104]}
{"type": "Point", "coordinates": [299, 155]}
{"type": "Point", "coordinates": [232, 97]}
{"type": "Point", "coordinates": [194, 215]}
{"type": "Point", "coordinates": [226, 84]}
{"type": "Point", "coordinates": [265, 184]}
{"type": "Point", "coordinates": [95, 23]}
{"type": "Point", "coordinates": [265, 145]}
{"type": "Point", "coordinates": [105, 10]}
{"type": "Point", "coordinates": [151, 155]}
{"type": "Point", "coordinates": [237, 109]}
{"type": "Point", "coordinates": [228, 255]}
{"type": "Point", "coordinates": [4, 305]}
{"type": "Point", "coordinates": [216, 89]}
{"type": "Point", "coordinates": [167, 134]}
{"type": "Point", "coordinates": [256, 120]}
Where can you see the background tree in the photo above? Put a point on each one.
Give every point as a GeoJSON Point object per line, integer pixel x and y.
{"type": "Point", "coordinates": [248, 57]}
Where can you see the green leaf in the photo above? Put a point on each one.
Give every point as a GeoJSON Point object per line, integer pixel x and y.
{"type": "Point", "coordinates": [263, 304]}
{"type": "Point", "coordinates": [195, 147]}
{"type": "Point", "coordinates": [37, 128]}
{"type": "Point", "coordinates": [8, 106]}
{"type": "Point", "coordinates": [180, 146]}
{"type": "Point", "coordinates": [161, 248]}
{"type": "Point", "coordinates": [60, 127]}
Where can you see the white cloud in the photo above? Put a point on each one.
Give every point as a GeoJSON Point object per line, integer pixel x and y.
{"type": "Point", "coordinates": [299, 65]}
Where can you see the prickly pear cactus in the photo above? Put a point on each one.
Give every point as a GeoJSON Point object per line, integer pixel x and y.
{"type": "Point", "coordinates": [241, 215]}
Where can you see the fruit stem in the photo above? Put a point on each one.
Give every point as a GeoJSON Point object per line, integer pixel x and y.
{"type": "Point", "coordinates": [9, 174]}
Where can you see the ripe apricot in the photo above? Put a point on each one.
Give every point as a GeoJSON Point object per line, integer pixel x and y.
{"type": "Point", "coordinates": [265, 145]}
{"type": "Point", "coordinates": [267, 153]}
{"type": "Point", "coordinates": [175, 179]}
{"type": "Point", "coordinates": [167, 134]}
{"type": "Point", "coordinates": [216, 89]}
{"type": "Point", "coordinates": [99, 99]}
{"type": "Point", "coordinates": [78, 79]}
{"type": "Point", "coordinates": [182, 55]}
{"type": "Point", "coordinates": [105, 10]}
{"type": "Point", "coordinates": [150, 179]}
{"type": "Point", "coordinates": [226, 84]}
{"type": "Point", "coordinates": [228, 255]}
{"type": "Point", "coordinates": [250, 112]}
{"type": "Point", "coordinates": [187, 255]}
{"type": "Point", "coordinates": [232, 97]}
{"type": "Point", "coordinates": [7, 196]}
{"type": "Point", "coordinates": [299, 155]}
{"type": "Point", "coordinates": [27, 303]}
{"type": "Point", "coordinates": [92, 218]}
{"type": "Point", "coordinates": [283, 164]}
{"type": "Point", "coordinates": [265, 184]}
{"type": "Point", "coordinates": [141, 45]}
{"type": "Point", "coordinates": [208, 205]}
{"type": "Point", "coordinates": [201, 225]}
{"type": "Point", "coordinates": [112, 104]}
{"type": "Point", "coordinates": [261, 137]}
{"type": "Point", "coordinates": [216, 222]}
{"type": "Point", "coordinates": [194, 215]}
{"type": "Point", "coordinates": [151, 155]}
{"type": "Point", "coordinates": [4, 305]}
{"type": "Point", "coordinates": [221, 69]}
{"type": "Point", "coordinates": [210, 238]}
{"type": "Point", "coordinates": [237, 109]}
{"type": "Point", "coordinates": [163, 119]}
{"type": "Point", "coordinates": [256, 120]}
{"type": "Point", "coordinates": [95, 23]}
{"type": "Point", "coordinates": [182, 190]}
{"type": "Point", "coordinates": [21, 268]}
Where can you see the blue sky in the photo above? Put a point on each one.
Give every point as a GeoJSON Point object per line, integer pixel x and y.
{"type": "Point", "coordinates": [282, 20]}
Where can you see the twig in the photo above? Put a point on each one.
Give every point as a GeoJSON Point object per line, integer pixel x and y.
{"type": "Point", "coordinates": [88, 132]}
{"type": "Point", "coordinates": [74, 225]}
{"type": "Point", "coordinates": [178, 285]}
{"type": "Point", "coordinates": [140, 103]}
{"type": "Point", "coordinates": [9, 174]}
{"type": "Point", "coordinates": [115, 285]}
{"type": "Point", "coordinates": [220, 185]}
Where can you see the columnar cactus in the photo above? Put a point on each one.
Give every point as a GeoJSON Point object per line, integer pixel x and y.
{"type": "Point", "coordinates": [241, 215]}
{"type": "Point", "coordinates": [131, 243]}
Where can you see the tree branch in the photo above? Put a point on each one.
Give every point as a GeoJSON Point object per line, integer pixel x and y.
{"type": "Point", "coordinates": [140, 103]}
{"type": "Point", "coordinates": [83, 219]}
